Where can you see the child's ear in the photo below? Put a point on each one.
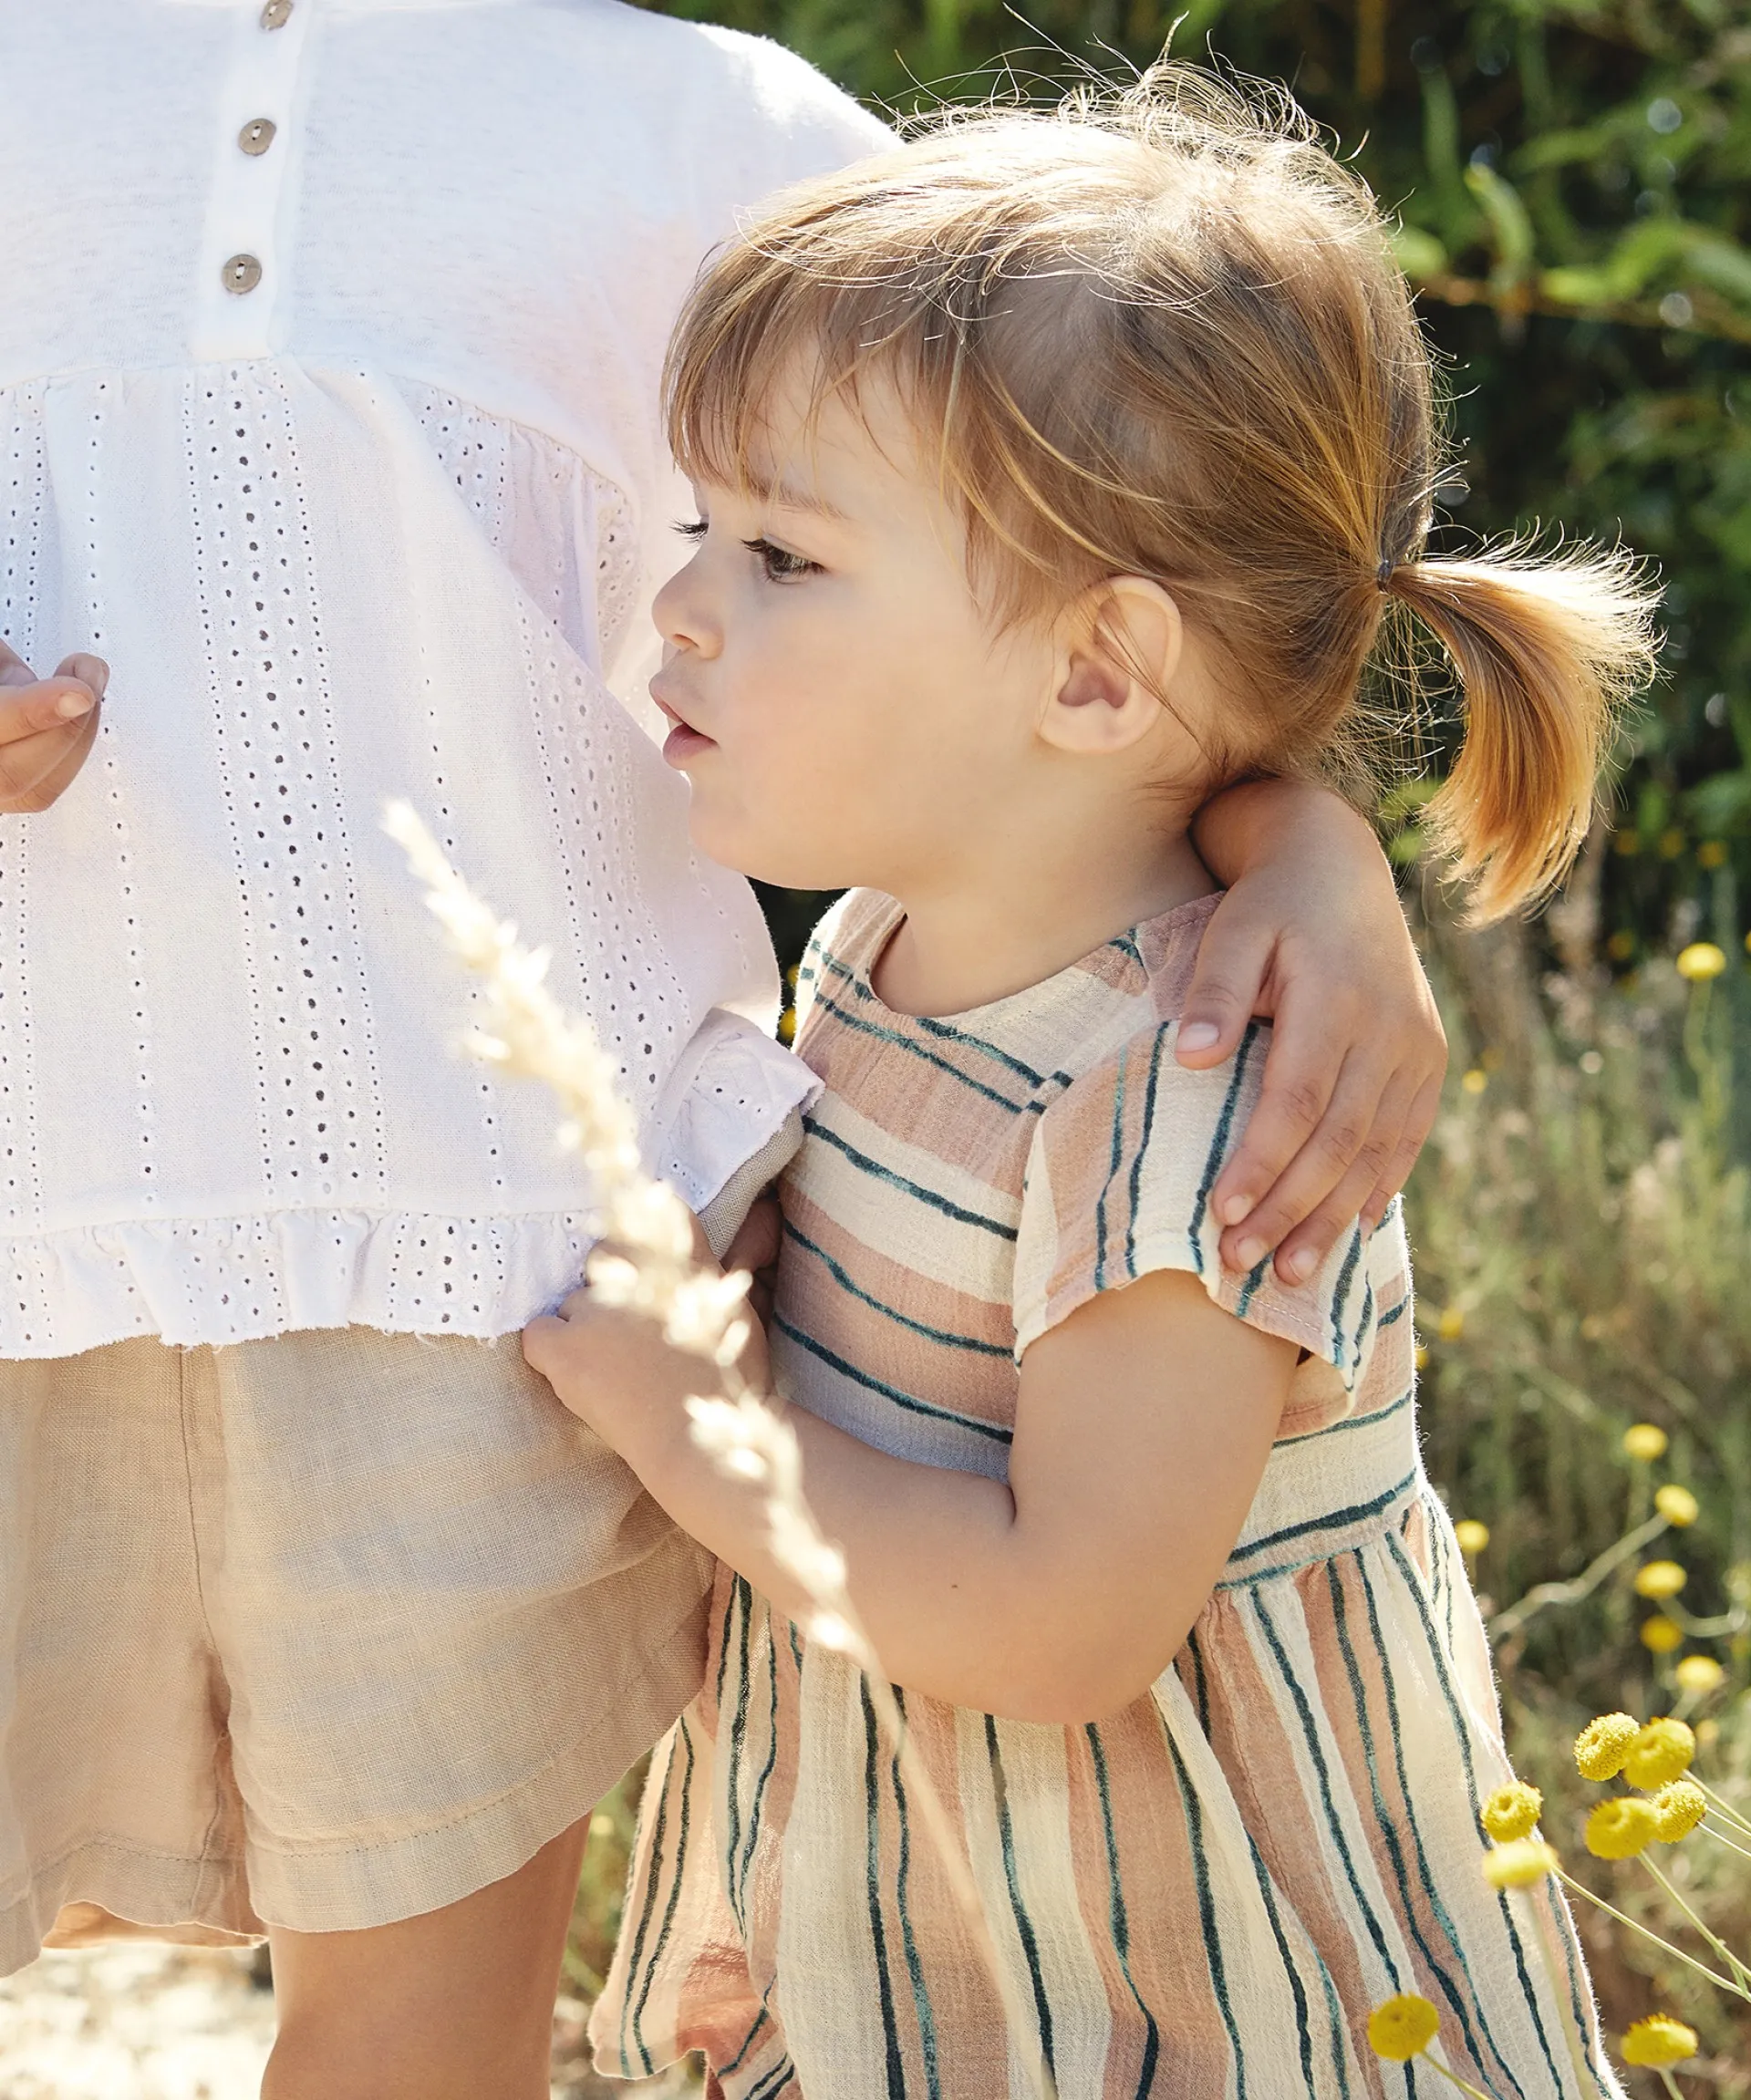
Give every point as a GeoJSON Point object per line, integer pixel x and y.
{"type": "Point", "coordinates": [1123, 641]}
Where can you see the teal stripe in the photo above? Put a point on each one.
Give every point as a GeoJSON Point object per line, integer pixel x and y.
{"type": "Point", "coordinates": [1393, 1314]}
{"type": "Point", "coordinates": [1118, 1918]}
{"type": "Point", "coordinates": [994, 1431]}
{"type": "Point", "coordinates": [921, 2004]}
{"type": "Point", "coordinates": [1462, 1736]}
{"type": "Point", "coordinates": [1201, 1684]}
{"type": "Point", "coordinates": [1303, 2032]}
{"type": "Point", "coordinates": [1219, 1143]}
{"type": "Point", "coordinates": [1351, 1421]}
{"type": "Point", "coordinates": [1213, 1959]}
{"type": "Point", "coordinates": [774, 2081]}
{"type": "Point", "coordinates": [944, 1032]}
{"type": "Point", "coordinates": [1112, 1176]}
{"type": "Point", "coordinates": [842, 1277]}
{"type": "Point", "coordinates": [897, 1041]}
{"type": "Point", "coordinates": [1362, 1326]}
{"type": "Point", "coordinates": [1444, 1917]}
{"type": "Point", "coordinates": [1389, 1829]}
{"type": "Point", "coordinates": [1250, 1288]}
{"type": "Point", "coordinates": [653, 1873]}
{"type": "Point", "coordinates": [736, 2062]}
{"type": "Point", "coordinates": [1346, 1274]}
{"type": "Point", "coordinates": [1011, 1875]}
{"type": "Point", "coordinates": [1334, 1520]}
{"type": "Point", "coordinates": [742, 1599]}
{"type": "Point", "coordinates": [1150, 1095]}
{"type": "Point", "coordinates": [1127, 946]}
{"type": "Point", "coordinates": [1316, 1755]}
{"type": "Point", "coordinates": [761, 1784]}
{"type": "Point", "coordinates": [674, 1897]}
{"type": "Point", "coordinates": [929, 1196]}
{"type": "Point", "coordinates": [873, 1896]}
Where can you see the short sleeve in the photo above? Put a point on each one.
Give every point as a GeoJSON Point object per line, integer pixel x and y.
{"type": "Point", "coordinates": [1119, 1179]}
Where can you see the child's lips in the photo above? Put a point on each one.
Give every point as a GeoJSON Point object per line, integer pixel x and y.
{"type": "Point", "coordinates": [684, 743]}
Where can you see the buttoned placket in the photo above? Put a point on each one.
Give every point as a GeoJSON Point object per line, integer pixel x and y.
{"type": "Point", "coordinates": [245, 241]}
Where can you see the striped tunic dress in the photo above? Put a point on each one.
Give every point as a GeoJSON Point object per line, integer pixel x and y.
{"type": "Point", "coordinates": [1202, 1897]}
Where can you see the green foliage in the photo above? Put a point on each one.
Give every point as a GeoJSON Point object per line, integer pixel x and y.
{"type": "Point", "coordinates": [1572, 182]}
{"type": "Point", "coordinates": [1582, 1228]}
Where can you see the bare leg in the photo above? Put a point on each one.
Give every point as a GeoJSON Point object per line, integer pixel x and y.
{"type": "Point", "coordinates": [456, 2005]}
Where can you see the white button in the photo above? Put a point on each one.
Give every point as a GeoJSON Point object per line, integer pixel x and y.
{"type": "Point", "coordinates": [257, 136]}
{"type": "Point", "coordinates": [242, 273]}
{"type": "Point", "coordinates": [276, 13]}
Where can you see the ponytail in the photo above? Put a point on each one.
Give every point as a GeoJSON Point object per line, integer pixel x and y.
{"type": "Point", "coordinates": [1546, 652]}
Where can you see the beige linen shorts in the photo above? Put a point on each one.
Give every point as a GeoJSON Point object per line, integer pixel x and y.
{"type": "Point", "coordinates": [327, 1631]}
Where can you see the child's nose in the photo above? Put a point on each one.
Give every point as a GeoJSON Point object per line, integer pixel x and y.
{"type": "Point", "coordinates": [682, 616]}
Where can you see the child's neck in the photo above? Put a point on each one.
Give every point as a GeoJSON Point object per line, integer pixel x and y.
{"type": "Point", "coordinates": [965, 943]}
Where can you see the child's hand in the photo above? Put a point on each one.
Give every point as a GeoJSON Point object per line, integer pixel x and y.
{"type": "Point", "coordinates": [47, 726]}
{"type": "Point", "coordinates": [755, 1248]}
{"type": "Point", "coordinates": [1312, 934]}
{"type": "Point", "coordinates": [613, 1370]}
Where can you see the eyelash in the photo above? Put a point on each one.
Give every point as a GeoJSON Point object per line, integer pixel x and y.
{"type": "Point", "coordinates": [781, 565]}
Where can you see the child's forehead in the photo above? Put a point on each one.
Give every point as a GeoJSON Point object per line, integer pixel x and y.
{"type": "Point", "coordinates": [811, 443]}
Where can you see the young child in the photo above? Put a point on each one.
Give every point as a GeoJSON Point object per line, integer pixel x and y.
{"type": "Point", "coordinates": [329, 354]}
{"type": "Point", "coordinates": [1052, 472]}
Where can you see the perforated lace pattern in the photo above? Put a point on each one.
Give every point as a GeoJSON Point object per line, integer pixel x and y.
{"type": "Point", "coordinates": [565, 532]}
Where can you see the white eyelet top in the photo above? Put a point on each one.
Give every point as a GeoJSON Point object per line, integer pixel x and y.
{"type": "Point", "coordinates": [329, 345]}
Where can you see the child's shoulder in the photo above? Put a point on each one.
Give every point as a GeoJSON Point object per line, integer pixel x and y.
{"type": "Point", "coordinates": [847, 938]}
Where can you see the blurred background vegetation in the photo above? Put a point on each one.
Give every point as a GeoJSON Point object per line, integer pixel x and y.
{"type": "Point", "coordinates": [1573, 187]}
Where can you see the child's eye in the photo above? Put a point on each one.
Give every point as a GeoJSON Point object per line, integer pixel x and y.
{"type": "Point", "coordinates": [691, 528]}
{"type": "Point", "coordinates": [781, 565]}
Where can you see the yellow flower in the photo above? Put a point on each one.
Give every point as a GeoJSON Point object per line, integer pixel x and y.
{"type": "Point", "coordinates": [1660, 1635]}
{"type": "Point", "coordinates": [1661, 1751]}
{"type": "Point", "coordinates": [1512, 1811]}
{"type": "Point", "coordinates": [1657, 2041]}
{"type": "Point", "coordinates": [1676, 1505]}
{"type": "Point", "coordinates": [1700, 961]}
{"type": "Point", "coordinates": [1627, 844]}
{"type": "Point", "coordinates": [1422, 1356]}
{"type": "Point", "coordinates": [1678, 1809]}
{"type": "Point", "coordinates": [1621, 946]}
{"type": "Point", "coordinates": [1660, 1579]}
{"type": "Point", "coordinates": [1671, 843]}
{"type": "Point", "coordinates": [1645, 1440]}
{"type": "Point", "coordinates": [1602, 1744]}
{"type": "Point", "coordinates": [1520, 1863]}
{"type": "Point", "coordinates": [1712, 853]}
{"type": "Point", "coordinates": [1403, 2027]}
{"type": "Point", "coordinates": [1474, 1081]}
{"type": "Point", "coordinates": [1621, 1828]}
{"type": "Point", "coordinates": [1700, 1674]}
{"type": "Point", "coordinates": [1451, 1324]}
{"type": "Point", "coordinates": [1472, 1535]}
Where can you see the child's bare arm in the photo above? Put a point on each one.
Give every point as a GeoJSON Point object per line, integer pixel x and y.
{"type": "Point", "coordinates": [1059, 1597]}
{"type": "Point", "coordinates": [1312, 934]}
{"type": "Point", "coordinates": [47, 726]}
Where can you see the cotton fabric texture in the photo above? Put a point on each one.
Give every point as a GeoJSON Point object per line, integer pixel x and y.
{"type": "Point", "coordinates": [233, 1692]}
{"type": "Point", "coordinates": [1204, 1895]}
{"type": "Point", "coordinates": [384, 525]}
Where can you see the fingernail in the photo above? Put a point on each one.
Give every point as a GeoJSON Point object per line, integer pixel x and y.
{"type": "Point", "coordinates": [1234, 1209]}
{"type": "Point", "coordinates": [73, 704]}
{"type": "Point", "coordinates": [1300, 1265]}
{"type": "Point", "coordinates": [1252, 1252]}
{"type": "Point", "coordinates": [1199, 1036]}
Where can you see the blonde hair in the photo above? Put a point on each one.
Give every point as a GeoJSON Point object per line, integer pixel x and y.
{"type": "Point", "coordinates": [1161, 333]}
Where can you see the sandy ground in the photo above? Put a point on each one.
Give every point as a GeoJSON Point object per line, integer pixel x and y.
{"type": "Point", "coordinates": [140, 2022]}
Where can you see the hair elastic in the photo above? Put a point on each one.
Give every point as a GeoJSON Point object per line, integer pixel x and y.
{"type": "Point", "coordinates": [1383, 574]}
